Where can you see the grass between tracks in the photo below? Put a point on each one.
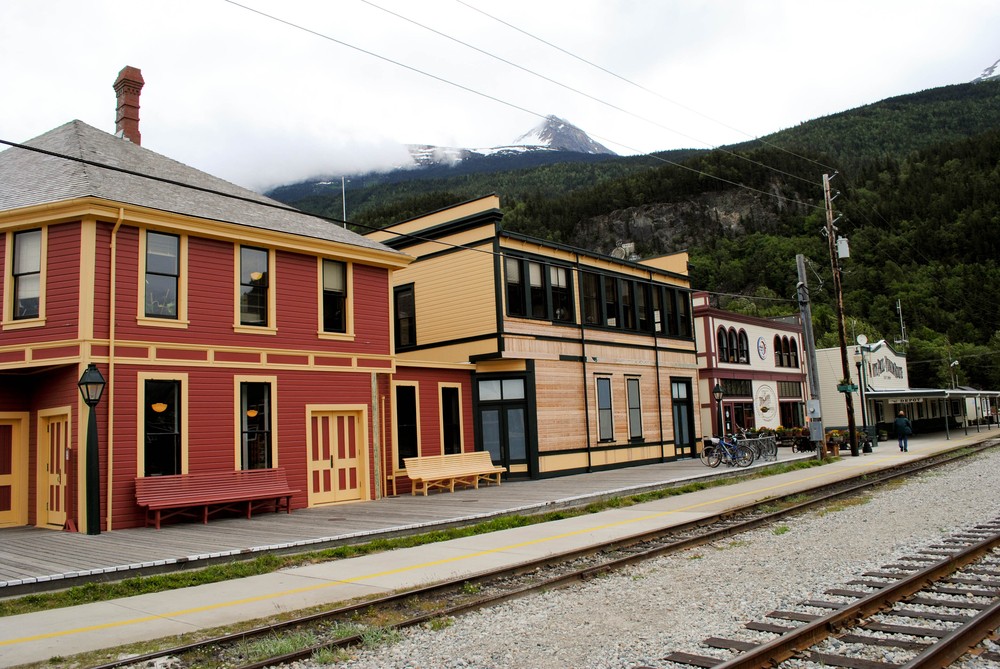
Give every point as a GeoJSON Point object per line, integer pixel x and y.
{"type": "Point", "coordinates": [264, 564]}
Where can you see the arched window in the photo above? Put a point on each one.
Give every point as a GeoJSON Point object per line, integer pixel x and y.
{"type": "Point", "coordinates": [723, 344]}
{"type": "Point", "coordinates": [777, 351]}
{"type": "Point", "coordinates": [744, 355]}
{"type": "Point", "coordinates": [786, 357]}
{"type": "Point", "coordinates": [733, 345]}
{"type": "Point", "coordinates": [795, 352]}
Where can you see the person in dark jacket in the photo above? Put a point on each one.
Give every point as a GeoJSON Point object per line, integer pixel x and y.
{"type": "Point", "coordinates": [903, 431]}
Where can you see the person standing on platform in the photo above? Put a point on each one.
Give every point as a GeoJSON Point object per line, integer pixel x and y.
{"type": "Point", "coordinates": [903, 431]}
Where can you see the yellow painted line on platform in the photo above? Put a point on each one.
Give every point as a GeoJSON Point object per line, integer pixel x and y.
{"type": "Point", "coordinates": [391, 572]}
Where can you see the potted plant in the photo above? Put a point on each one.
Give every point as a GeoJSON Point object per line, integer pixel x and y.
{"type": "Point", "coordinates": [834, 437]}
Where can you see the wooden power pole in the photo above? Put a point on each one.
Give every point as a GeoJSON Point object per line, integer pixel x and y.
{"type": "Point", "coordinates": [831, 235]}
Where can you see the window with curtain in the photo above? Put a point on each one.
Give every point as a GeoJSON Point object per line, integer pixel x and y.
{"type": "Point", "coordinates": [334, 296]}
{"type": "Point", "coordinates": [27, 273]}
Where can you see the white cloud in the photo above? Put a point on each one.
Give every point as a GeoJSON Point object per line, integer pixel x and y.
{"type": "Point", "coordinates": [258, 101]}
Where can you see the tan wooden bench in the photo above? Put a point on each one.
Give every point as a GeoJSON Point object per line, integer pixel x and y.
{"type": "Point", "coordinates": [202, 494]}
{"type": "Point", "coordinates": [432, 472]}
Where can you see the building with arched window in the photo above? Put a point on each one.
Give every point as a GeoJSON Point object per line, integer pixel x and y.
{"type": "Point", "coordinates": [757, 364]}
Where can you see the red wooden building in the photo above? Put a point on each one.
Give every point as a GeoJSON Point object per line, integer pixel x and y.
{"type": "Point", "coordinates": [233, 332]}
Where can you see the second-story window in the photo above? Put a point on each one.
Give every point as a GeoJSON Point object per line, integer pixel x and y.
{"type": "Point", "coordinates": [162, 275]}
{"type": "Point", "coordinates": [334, 296]}
{"type": "Point", "coordinates": [27, 274]}
{"type": "Point", "coordinates": [406, 319]}
{"type": "Point", "coordinates": [254, 286]}
{"type": "Point", "coordinates": [590, 287]}
{"type": "Point", "coordinates": [538, 290]}
{"type": "Point", "coordinates": [515, 287]}
{"type": "Point", "coordinates": [562, 300]}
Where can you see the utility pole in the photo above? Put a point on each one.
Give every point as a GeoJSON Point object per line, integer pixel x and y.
{"type": "Point", "coordinates": [809, 348]}
{"type": "Point", "coordinates": [831, 237]}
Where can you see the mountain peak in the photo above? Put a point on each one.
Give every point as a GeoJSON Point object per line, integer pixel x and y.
{"type": "Point", "coordinates": [559, 134]}
{"type": "Point", "coordinates": [991, 72]}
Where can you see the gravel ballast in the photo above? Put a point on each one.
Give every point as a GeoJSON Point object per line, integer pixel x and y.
{"type": "Point", "coordinates": [636, 617]}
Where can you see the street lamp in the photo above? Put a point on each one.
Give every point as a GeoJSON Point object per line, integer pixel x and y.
{"type": "Point", "coordinates": [718, 394]}
{"type": "Point", "coordinates": [91, 386]}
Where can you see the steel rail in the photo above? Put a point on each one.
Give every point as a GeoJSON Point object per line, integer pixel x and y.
{"type": "Point", "coordinates": [802, 638]}
{"type": "Point", "coordinates": [840, 489]}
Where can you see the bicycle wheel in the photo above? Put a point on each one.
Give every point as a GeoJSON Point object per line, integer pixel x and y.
{"type": "Point", "coordinates": [770, 449]}
{"type": "Point", "coordinates": [743, 456]}
{"type": "Point", "coordinates": [711, 456]}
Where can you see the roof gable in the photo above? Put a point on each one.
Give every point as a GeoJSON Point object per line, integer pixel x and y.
{"type": "Point", "coordinates": [140, 177]}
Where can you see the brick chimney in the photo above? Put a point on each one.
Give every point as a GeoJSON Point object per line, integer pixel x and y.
{"type": "Point", "coordinates": [127, 87]}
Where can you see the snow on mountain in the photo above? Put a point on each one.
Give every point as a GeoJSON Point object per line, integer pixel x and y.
{"type": "Point", "coordinates": [553, 134]}
{"type": "Point", "coordinates": [991, 72]}
{"type": "Point", "coordinates": [556, 133]}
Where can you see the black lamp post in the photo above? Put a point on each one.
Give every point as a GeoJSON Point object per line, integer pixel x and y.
{"type": "Point", "coordinates": [718, 394]}
{"type": "Point", "coordinates": [859, 360]}
{"type": "Point", "coordinates": [91, 386]}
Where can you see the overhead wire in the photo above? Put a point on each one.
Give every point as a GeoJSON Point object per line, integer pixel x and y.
{"type": "Point", "coordinates": [512, 105]}
{"type": "Point", "coordinates": [583, 93]}
{"type": "Point", "coordinates": [639, 86]}
{"type": "Point", "coordinates": [272, 204]}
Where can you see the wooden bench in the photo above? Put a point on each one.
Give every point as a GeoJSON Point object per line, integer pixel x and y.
{"type": "Point", "coordinates": [445, 471]}
{"type": "Point", "coordinates": [202, 494]}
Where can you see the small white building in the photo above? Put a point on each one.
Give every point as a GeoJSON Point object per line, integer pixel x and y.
{"type": "Point", "coordinates": [882, 389]}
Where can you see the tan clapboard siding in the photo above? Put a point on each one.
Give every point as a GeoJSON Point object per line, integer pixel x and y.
{"type": "Point", "coordinates": [454, 296]}
{"type": "Point", "coordinates": [560, 407]}
{"type": "Point", "coordinates": [450, 354]}
{"type": "Point", "coordinates": [621, 456]}
{"type": "Point", "coordinates": [539, 349]}
{"type": "Point", "coordinates": [562, 462]}
{"type": "Point", "coordinates": [421, 224]}
{"type": "Point", "coordinates": [480, 237]}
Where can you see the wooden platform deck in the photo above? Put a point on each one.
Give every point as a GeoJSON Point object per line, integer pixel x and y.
{"type": "Point", "coordinates": [34, 559]}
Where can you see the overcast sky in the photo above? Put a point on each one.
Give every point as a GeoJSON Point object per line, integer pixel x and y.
{"type": "Point", "coordinates": [261, 102]}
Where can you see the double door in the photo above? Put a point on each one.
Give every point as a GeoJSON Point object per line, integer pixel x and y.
{"type": "Point", "coordinates": [503, 422]}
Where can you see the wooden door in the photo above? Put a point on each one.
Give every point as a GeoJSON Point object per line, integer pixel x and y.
{"type": "Point", "coordinates": [57, 476]}
{"type": "Point", "coordinates": [336, 465]}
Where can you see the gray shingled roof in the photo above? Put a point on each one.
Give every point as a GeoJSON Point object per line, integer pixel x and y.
{"type": "Point", "coordinates": [30, 178]}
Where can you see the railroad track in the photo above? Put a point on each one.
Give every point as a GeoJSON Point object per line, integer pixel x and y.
{"type": "Point", "coordinates": [932, 607]}
{"type": "Point", "coordinates": [352, 625]}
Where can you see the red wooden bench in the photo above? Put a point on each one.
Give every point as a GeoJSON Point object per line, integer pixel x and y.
{"type": "Point", "coordinates": [202, 494]}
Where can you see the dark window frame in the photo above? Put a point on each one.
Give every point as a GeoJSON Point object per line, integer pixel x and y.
{"type": "Point", "coordinates": [162, 427]}
{"type": "Point", "coordinates": [405, 322]}
{"type": "Point", "coordinates": [605, 410]}
{"type": "Point", "coordinates": [256, 430]}
{"type": "Point", "coordinates": [334, 298]}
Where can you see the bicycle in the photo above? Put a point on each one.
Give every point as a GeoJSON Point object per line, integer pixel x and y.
{"type": "Point", "coordinates": [727, 450]}
{"type": "Point", "coordinates": [764, 448]}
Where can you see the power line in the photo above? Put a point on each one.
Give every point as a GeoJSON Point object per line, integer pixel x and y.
{"type": "Point", "coordinates": [579, 92]}
{"type": "Point", "coordinates": [513, 105]}
{"type": "Point", "coordinates": [640, 86]}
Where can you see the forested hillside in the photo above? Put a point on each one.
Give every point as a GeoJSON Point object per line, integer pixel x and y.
{"type": "Point", "coordinates": [919, 182]}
